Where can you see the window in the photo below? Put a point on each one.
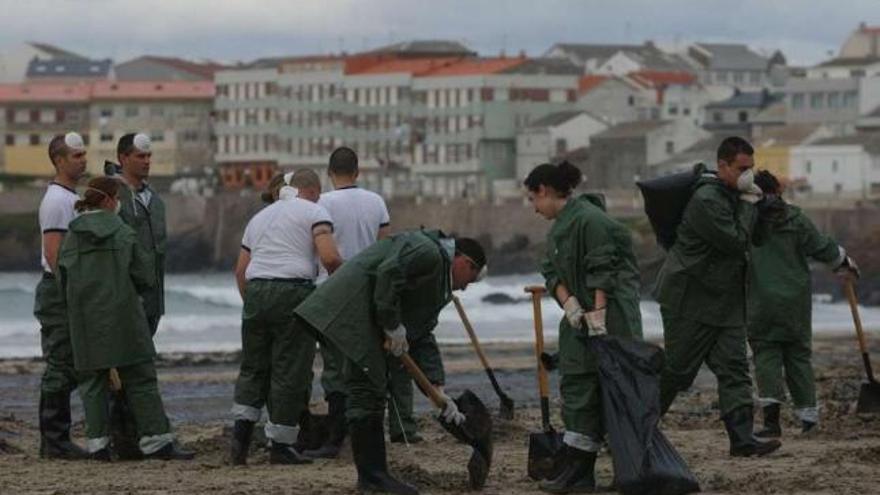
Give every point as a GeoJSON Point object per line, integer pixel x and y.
{"type": "Point", "coordinates": [35, 116]}
{"type": "Point", "coordinates": [721, 76]}
{"type": "Point", "coordinates": [631, 100]}
{"type": "Point", "coordinates": [743, 117]}
{"type": "Point", "coordinates": [809, 167]}
{"type": "Point", "coordinates": [755, 77]}
{"type": "Point", "coordinates": [59, 115]}
{"type": "Point", "coordinates": [157, 111]}
{"type": "Point", "coordinates": [132, 111]}
{"type": "Point", "coordinates": [34, 139]}
{"type": "Point", "coordinates": [670, 147]}
{"type": "Point", "coordinates": [797, 100]}
{"type": "Point", "coordinates": [738, 77]}
{"type": "Point", "coordinates": [106, 112]}
{"type": "Point", "coordinates": [10, 140]}
{"type": "Point", "coordinates": [561, 146]}
{"type": "Point", "coordinates": [718, 117]}
{"type": "Point", "coordinates": [106, 137]}
{"type": "Point", "coordinates": [686, 111]}
{"type": "Point", "coordinates": [816, 100]}
{"type": "Point", "coordinates": [850, 98]}
{"type": "Point", "coordinates": [834, 166]}
{"type": "Point", "coordinates": [673, 109]}
{"type": "Point", "coordinates": [157, 136]}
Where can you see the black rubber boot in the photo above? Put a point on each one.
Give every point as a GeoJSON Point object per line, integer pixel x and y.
{"type": "Point", "coordinates": [172, 452]}
{"type": "Point", "coordinates": [410, 438]}
{"type": "Point", "coordinates": [368, 449]}
{"type": "Point", "coordinates": [739, 424]}
{"type": "Point", "coordinates": [242, 431]}
{"type": "Point", "coordinates": [102, 455]}
{"type": "Point", "coordinates": [282, 453]}
{"type": "Point", "coordinates": [55, 428]}
{"type": "Point", "coordinates": [577, 475]}
{"type": "Point", "coordinates": [807, 426]}
{"type": "Point", "coordinates": [123, 431]}
{"type": "Point", "coordinates": [336, 431]}
{"type": "Point", "coordinates": [772, 428]}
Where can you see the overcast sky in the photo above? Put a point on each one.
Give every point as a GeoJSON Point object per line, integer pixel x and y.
{"type": "Point", "coordinates": [230, 30]}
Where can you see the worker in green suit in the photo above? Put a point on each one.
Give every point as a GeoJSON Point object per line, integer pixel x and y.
{"type": "Point", "coordinates": [591, 271]}
{"type": "Point", "coordinates": [276, 270]}
{"type": "Point", "coordinates": [103, 271]}
{"type": "Point", "coordinates": [780, 306]}
{"type": "Point", "coordinates": [702, 287]}
{"type": "Point", "coordinates": [390, 291]}
{"type": "Point", "coordinates": [144, 211]}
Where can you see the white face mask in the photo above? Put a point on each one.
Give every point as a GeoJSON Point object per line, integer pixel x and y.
{"type": "Point", "coordinates": [746, 180]}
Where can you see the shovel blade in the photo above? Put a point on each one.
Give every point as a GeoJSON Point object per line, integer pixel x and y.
{"type": "Point", "coordinates": [869, 398]}
{"type": "Point", "coordinates": [545, 455]}
{"type": "Point", "coordinates": [476, 431]}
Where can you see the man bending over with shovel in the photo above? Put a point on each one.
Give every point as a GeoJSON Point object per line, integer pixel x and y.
{"type": "Point", "coordinates": [366, 307]}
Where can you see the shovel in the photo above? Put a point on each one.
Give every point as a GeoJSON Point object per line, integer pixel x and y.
{"type": "Point", "coordinates": [123, 431]}
{"type": "Point", "coordinates": [869, 395]}
{"type": "Point", "coordinates": [545, 448]}
{"type": "Point", "coordinates": [505, 402]}
{"type": "Point", "coordinates": [475, 431]}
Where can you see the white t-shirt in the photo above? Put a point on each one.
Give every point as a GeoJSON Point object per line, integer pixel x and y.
{"type": "Point", "coordinates": [357, 216]}
{"type": "Point", "coordinates": [56, 212]}
{"type": "Point", "coordinates": [280, 240]}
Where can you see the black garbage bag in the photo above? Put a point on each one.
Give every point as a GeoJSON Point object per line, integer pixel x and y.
{"type": "Point", "coordinates": [645, 463]}
{"type": "Point", "coordinates": [665, 200]}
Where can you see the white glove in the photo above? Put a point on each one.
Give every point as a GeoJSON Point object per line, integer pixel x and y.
{"type": "Point", "coordinates": [596, 322]}
{"type": "Point", "coordinates": [397, 341]}
{"type": "Point", "coordinates": [450, 413]}
{"type": "Point", "coordinates": [574, 313]}
{"type": "Point", "coordinates": [752, 195]}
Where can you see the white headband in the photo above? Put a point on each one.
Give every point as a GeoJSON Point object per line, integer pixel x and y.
{"type": "Point", "coordinates": [74, 141]}
{"type": "Point", "coordinates": [142, 142]}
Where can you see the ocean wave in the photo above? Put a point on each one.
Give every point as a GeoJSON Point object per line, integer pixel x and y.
{"type": "Point", "coordinates": [227, 297]}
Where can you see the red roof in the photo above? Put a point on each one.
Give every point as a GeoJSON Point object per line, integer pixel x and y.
{"type": "Point", "coordinates": [870, 29]}
{"type": "Point", "coordinates": [474, 66]}
{"type": "Point", "coordinates": [588, 83]}
{"type": "Point", "coordinates": [652, 78]}
{"type": "Point", "coordinates": [45, 92]}
{"type": "Point", "coordinates": [153, 90]}
{"type": "Point", "coordinates": [414, 66]}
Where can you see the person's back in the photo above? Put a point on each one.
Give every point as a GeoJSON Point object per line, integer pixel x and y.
{"type": "Point", "coordinates": [357, 215]}
{"type": "Point", "coordinates": [289, 250]}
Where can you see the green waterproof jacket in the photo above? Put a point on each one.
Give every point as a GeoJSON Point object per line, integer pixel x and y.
{"type": "Point", "coordinates": [403, 279]}
{"type": "Point", "coordinates": [102, 270]}
{"type": "Point", "coordinates": [148, 222]}
{"type": "Point", "coordinates": [704, 275]}
{"type": "Point", "coordinates": [780, 296]}
{"type": "Point", "coordinates": [589, 250]}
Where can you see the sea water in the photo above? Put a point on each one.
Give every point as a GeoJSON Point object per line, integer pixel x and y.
{"type": "Point", "coordinates": [203, 314]}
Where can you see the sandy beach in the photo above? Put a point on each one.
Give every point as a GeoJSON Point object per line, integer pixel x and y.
{"type": "Point", "coordinates": [842, 457]}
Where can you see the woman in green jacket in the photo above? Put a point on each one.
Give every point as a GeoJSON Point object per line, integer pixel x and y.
{"type": "Point", "coordinates": [592, 273]}
{"type": "Point", "coordinates": [103, 270]}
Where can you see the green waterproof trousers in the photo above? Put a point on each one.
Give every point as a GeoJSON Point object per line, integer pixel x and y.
{"type": "Point", "coordinates": [51, 311]}
{"type": "Point", "coordinates": [140, 387]}
{"type": "Point", "coordinates": [689, 344]}
{"type": "Point", "coordinates": [793, 358]}
{"type": "Point", "coordinates": [278, 350]}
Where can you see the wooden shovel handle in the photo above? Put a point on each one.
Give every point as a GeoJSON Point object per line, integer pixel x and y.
{"type": "Point", "coordinates": [115, 381]}
{"type": "Point", "coordinates": [427, 387]}
{"type": "Point", "coordinates": [850, 290]}
{"type": "Point", "coordinates": [470, 331]}
{"type": "Point", "coordinates": [537, 291]}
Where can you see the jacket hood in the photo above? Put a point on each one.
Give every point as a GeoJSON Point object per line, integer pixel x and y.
{"type": "Point", "coordinates": [597, 200]}
{"type": "Point", "coordinates": [98, 225]}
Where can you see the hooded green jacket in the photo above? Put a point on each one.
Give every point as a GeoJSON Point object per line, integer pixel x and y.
{"type": "Point", "coordinates": [102, 270]}
{"type": "Point", "coordinates": [149, 225]}
{"type": "Point", "coordinates": [589, 250]}
{"type": "Point", "coordinates": [780, 299]}
{"type": "Point", "coordinates": [404, 279]}
{"type": "Point", "coordinates": [704, 275]}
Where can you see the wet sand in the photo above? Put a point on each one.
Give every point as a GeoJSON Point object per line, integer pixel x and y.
{"type": "Point", "coordinates": [842, 457]}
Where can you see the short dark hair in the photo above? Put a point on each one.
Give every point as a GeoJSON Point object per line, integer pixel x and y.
{"type": "Point", "coordinates": [125, 144]}
{"type": "Point", "coordinates": [57, 148]}
{"type": "Point", "coordinates": [732, 146]}
{"type": "Point", "coordinates": [306, 178]}
{"type": "Point", "coordinates": [472, 249]}
{"type": "Point", "coordinates": [563, 178]}
{"type": "Point", "coordinates": [767, 182]}
{"type": "Point", "coordinates": [343, 161]}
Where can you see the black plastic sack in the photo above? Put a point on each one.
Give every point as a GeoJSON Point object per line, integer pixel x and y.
{"type": "Point", "coordinates": [665, 200]}
{"type": "Point", "coordinates": [645, 463]}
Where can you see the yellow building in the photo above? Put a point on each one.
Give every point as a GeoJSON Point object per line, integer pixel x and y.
{"type": "Point", "coordinates": [773, 146]}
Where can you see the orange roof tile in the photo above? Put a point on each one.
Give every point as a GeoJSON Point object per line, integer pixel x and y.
{"type": "Point", "coordinates": [414, 66]}
{"type": "Point", "coordinates": [474, 66]}
{"type": "Point", "coordinates": [45, 92]}
{"type": "Point", "coordinates": [153, 90]}
{"type": "Point", "coordinates": [650, 78]}
{"type": "Point", "coordinates": [588, 83]}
